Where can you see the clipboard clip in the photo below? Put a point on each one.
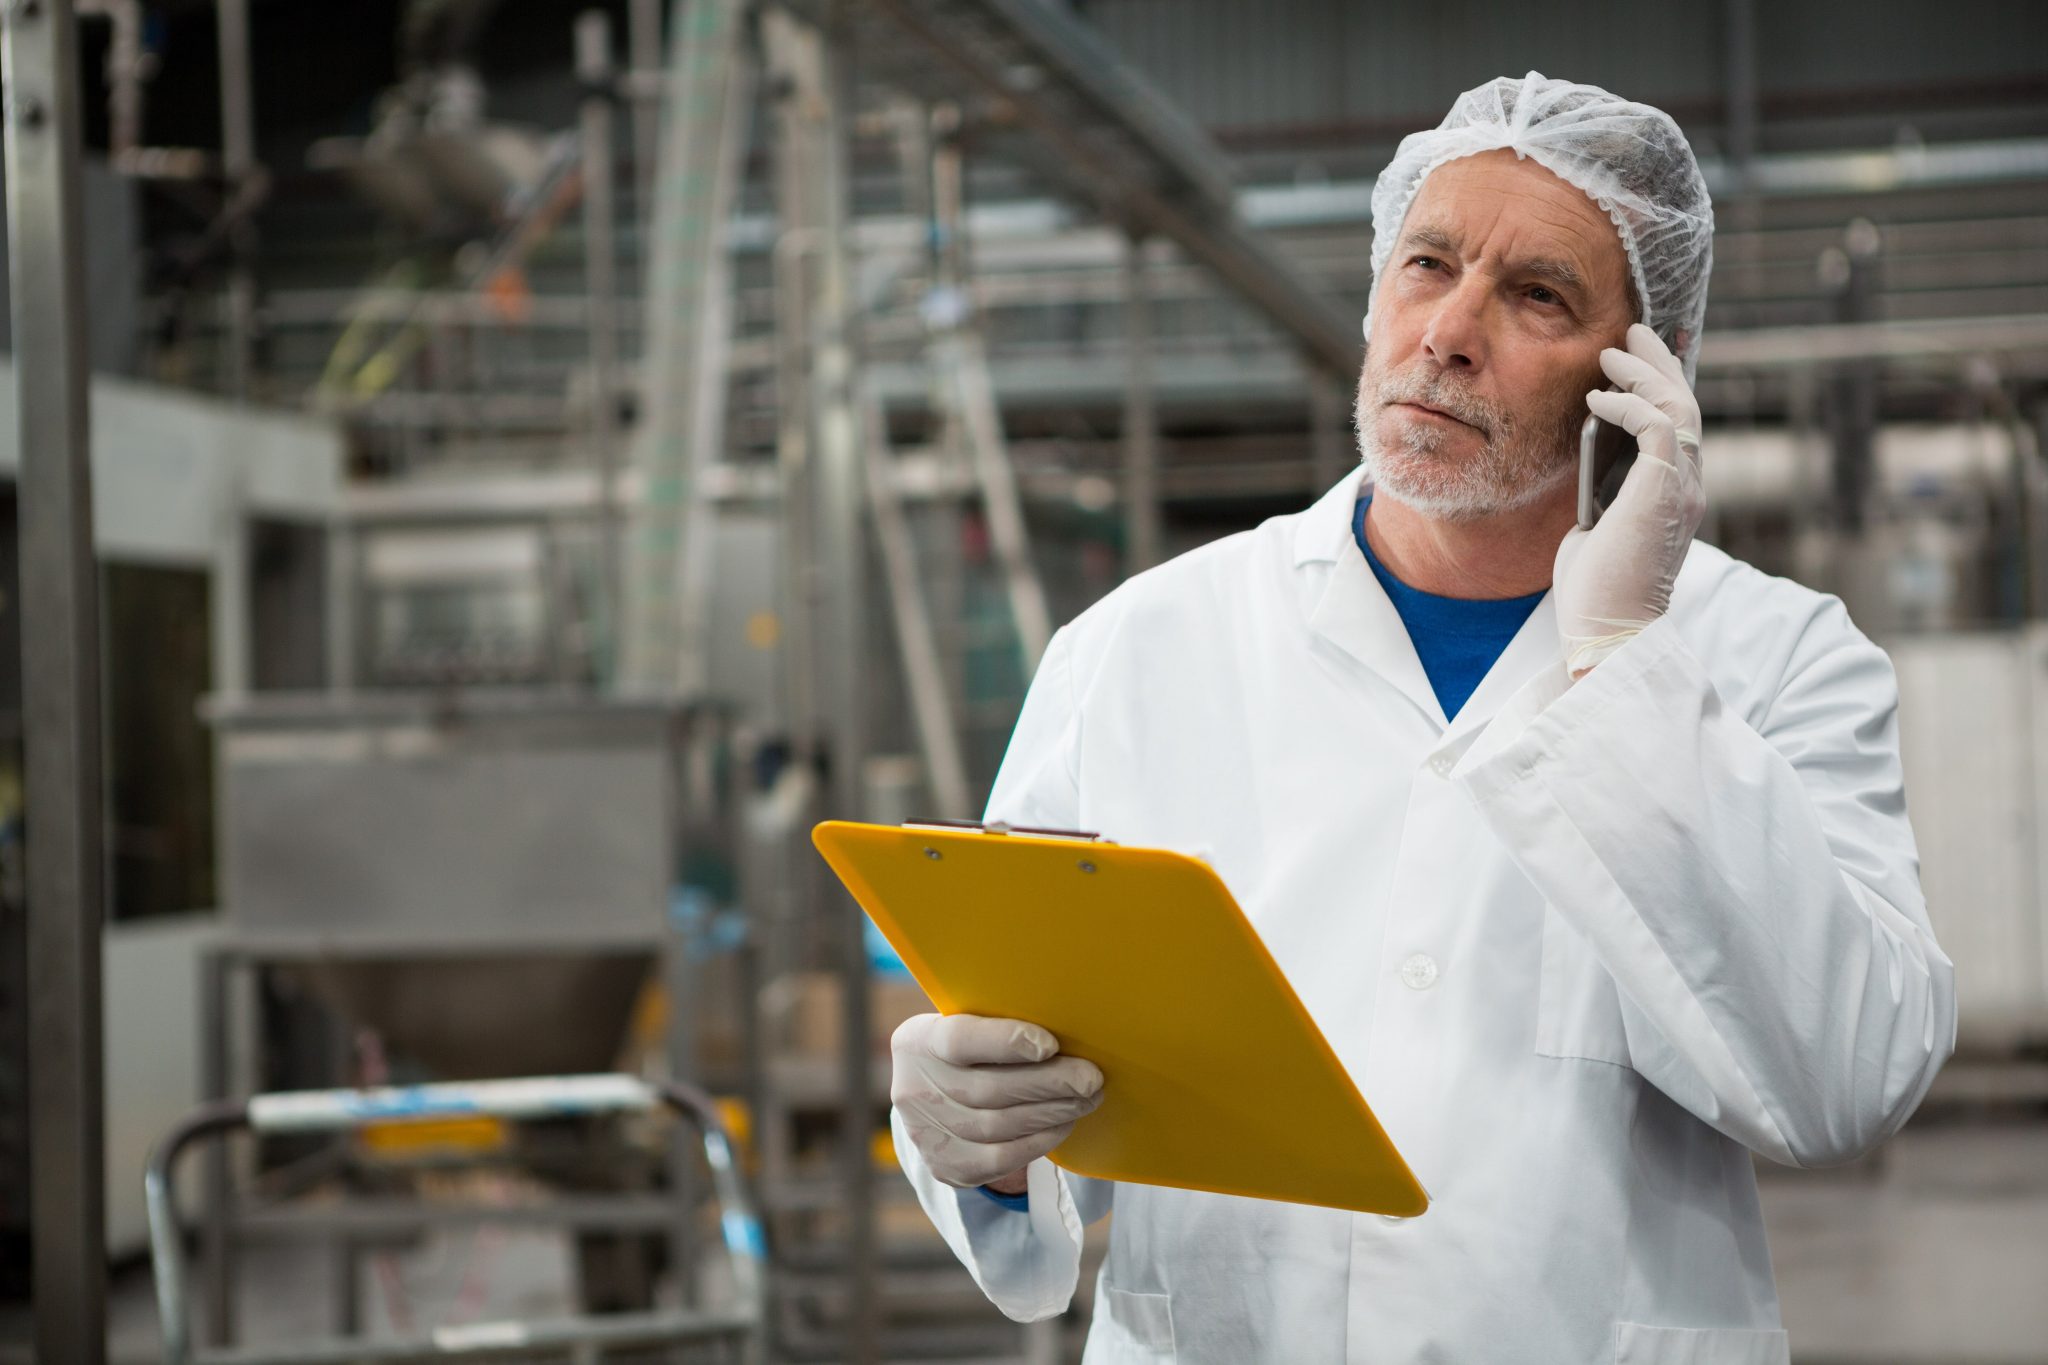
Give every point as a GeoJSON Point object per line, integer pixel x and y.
{"type": "Point", "coordinates": [999, 827]}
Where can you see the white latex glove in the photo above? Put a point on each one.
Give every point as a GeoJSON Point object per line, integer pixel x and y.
{"type": "Point", "coordinates": [1614, 580]}
{"type": "Point", "coordinates": [983, 1098]}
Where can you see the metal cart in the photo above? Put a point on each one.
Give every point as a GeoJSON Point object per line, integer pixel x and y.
{"type": "Point", "coordinates": [733, 1331]}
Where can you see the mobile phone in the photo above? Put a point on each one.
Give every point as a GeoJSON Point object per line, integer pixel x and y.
{"type": "Point", "coordinates": [1606, 453]}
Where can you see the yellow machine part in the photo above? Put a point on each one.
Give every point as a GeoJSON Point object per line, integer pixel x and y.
{"type": "Point", "coordinates": [468, 1136]}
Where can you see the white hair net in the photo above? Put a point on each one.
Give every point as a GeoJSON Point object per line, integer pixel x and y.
{"type": "Point", "coordinates": [1629, 158]}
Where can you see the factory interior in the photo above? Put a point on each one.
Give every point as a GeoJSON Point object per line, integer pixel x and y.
{"type": "Point", "coordinates": [546, 457]}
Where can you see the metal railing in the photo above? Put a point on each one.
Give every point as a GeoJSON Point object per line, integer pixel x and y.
{"type": "Point", "coordinates": [740, 1323]}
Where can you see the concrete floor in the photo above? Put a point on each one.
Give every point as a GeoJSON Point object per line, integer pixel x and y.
{"type": "Point", "coordinates": [1937, 1251]}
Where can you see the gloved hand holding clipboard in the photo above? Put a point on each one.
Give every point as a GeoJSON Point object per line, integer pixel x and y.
{"type": "Point", "coordinates": [1140, 961]}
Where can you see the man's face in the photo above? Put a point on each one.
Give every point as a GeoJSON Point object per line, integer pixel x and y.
{"type": "Point", "coordinates": [1492, 311]}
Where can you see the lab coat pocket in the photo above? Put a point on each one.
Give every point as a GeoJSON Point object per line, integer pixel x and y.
{"type": "Point", "coordinates": [1635, 1344]}
{"type": "Point", "coordinates": [1578, 1008]}
{"type": "Point", "coordinates": [1130, 1329]}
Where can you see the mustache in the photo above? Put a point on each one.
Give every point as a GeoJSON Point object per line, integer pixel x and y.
{"type": "Point", "coordinates": [1445, 395]}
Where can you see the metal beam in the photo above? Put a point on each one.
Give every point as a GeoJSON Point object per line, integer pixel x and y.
{"type": "Point", "coordinates": [1207, 228]}
{"type": "Point", "coordinates": [1330, 454]}
{"type": "Point", "coordinates": [841, 561]}
{"type": "Point", "coordinates": [600, 278]}
{"type": "Point", "coordinates": [688, 291]}
{"type": "Point", "coordinates": [238, 162]}
{"type": "Point", "coordinates": [60, 683]}
{"type": "Point", "coordinates": [938, 737]}
{"type": "Point", "coordinates": [643, 56]}
{"type": "Point", "coordinates": [1742, 91]}
{"type": "Point", "coordinates": [1141, 417]}
{"type": "Point", "coordinates": [1952, 342]}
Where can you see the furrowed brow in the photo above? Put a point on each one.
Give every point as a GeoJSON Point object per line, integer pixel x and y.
{"type": "Point", "coordinates": [1563, 274]}
{"type": "Point", "coordinates": [1435, 238]}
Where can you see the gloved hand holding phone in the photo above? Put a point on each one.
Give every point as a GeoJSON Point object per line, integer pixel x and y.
{"type": "Point", "coordinates": [1614, 580]}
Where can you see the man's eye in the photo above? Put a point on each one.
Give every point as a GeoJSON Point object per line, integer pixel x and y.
{"type": "Point", "coordinates": [1541, 295]}
{"type": "Point", "coordinates": [1427, 262]}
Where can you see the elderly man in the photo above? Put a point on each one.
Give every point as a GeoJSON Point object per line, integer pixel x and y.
{"type": "Point", "coordinates": [1587, 851]}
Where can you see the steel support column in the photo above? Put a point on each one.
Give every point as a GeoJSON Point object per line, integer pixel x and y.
{"type": "Point", "coordinates": [600, 279]}
{"type": "Point", "coordinates": [643, 59]}
{"type": "Point", "coordinates": [1141, 417]}
{"type": "Point", "coordinates": [1330, 454]}
{"type": "Point", "coordinates": [842, 561]}
{"type": "Point", "coordinates": [60, 683]}
{"type": "Point", "coordinates": [238, 163]}
{"type": "Point", "coordinates": [228, 589]}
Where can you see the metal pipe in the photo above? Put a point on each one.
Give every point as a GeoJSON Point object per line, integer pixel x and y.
{"type": "Point", "coordinates": [1742, 90]}
{"type": "Point", "coordinates": [238, 164]}
{"type": "Point", "coordinates": [600, 271]}
{"type": "Point", "coordinates": [1141, 417]}
{"type": "Point", "coordinates": [964, 358]}
{"type": "Point", "coordinates": [217, 973]}
{"type": "Point", "coordinates": [166, 1250]}
{"type": "Point", "coordinates": [1739, 210]}
{"type": "Point", "coordinates": [229, 583]}
{"type": "Point", "coordinates": [998, 478]}
{"type": "Point", "coordinates": [127, 69]}
{"type": "Point", "coordinates": [689, 292]}
{"type": "Point", "coordinates": [842, 562]}
{"type": "Point", "coordinates": [931, 711]}
{"type": "Point", "coordinates": [679, 979]}
{"type": "Point", "coordinates": [344, 557]}
{"type": "Point", "coordinates": [60, 682]}
{"type": "Point", "coordinates": [1329, 454]}
{"type": "Point", "coordinates": [643, 56]}
{"type": "Point", "coordinates": [799, 583]}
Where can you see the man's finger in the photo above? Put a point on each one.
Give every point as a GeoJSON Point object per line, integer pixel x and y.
{"type": "Point", "coordinates": [1656, 435]}
{"type": "Point", "coordinates": [1020, 1120]}
{"type": "Point", "coordinates": [969, 1040]}
{"type": "Point", "coordinates": [1005, 1157]}
{"type": "Point", "coordinates": [1643, 341]}
{"type": "Point", "coordinates": [1638, 376]}
{"type": "Point", "coordinates": [999, 1087]}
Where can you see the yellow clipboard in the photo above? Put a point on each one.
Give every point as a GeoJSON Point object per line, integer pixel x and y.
{"type": "Point", "coordinates": [1138, 959]}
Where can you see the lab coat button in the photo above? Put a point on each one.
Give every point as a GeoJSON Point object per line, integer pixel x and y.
{"type": "Point", "coordinates": [1419, 972]}
{"type": "Point", "coordinates": [1441, 765]}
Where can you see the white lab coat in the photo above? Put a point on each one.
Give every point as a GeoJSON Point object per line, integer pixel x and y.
{"type": "Point", "coordinates": [1583, 949]}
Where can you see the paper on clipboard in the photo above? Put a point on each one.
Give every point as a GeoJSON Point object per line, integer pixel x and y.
{"type": "Point", "coordinates": [1139, 960]}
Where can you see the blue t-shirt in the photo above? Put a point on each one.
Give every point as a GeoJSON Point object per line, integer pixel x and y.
{"type": "Point", "coordinates": [1456, 638]}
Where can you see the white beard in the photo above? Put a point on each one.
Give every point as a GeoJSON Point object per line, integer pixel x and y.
{"type": "Point", "coordinates": [1515, 468]}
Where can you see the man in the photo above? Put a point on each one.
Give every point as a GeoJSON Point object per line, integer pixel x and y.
{"type": "Point", "coordinates": [1587, 851]}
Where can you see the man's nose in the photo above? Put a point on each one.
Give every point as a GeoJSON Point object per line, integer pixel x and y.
{"type": "Point", "coordinates": [1456, 335]}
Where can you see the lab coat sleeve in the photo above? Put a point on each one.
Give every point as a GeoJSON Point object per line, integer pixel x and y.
{"type": "Point", "coordinates": [1752, 890]}
{"type": "Point", "coordinates": [1028, 1263]}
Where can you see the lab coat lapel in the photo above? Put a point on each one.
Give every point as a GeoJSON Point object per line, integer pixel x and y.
{"type": "Point", "coordinates": [1535, 649]}
{"type": "Point", "coordinates": [1354, 613]}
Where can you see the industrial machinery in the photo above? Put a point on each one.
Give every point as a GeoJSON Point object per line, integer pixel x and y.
{"type": "Point", "coordinates": [692, 504]}
{"type": "Point", "coordinates": [732, 1331]}
{"type": "Point", "coordinates": [475, 885]}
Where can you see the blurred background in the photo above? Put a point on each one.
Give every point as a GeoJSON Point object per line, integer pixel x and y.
{"type": "Point", "coordinates": [547, 456]}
